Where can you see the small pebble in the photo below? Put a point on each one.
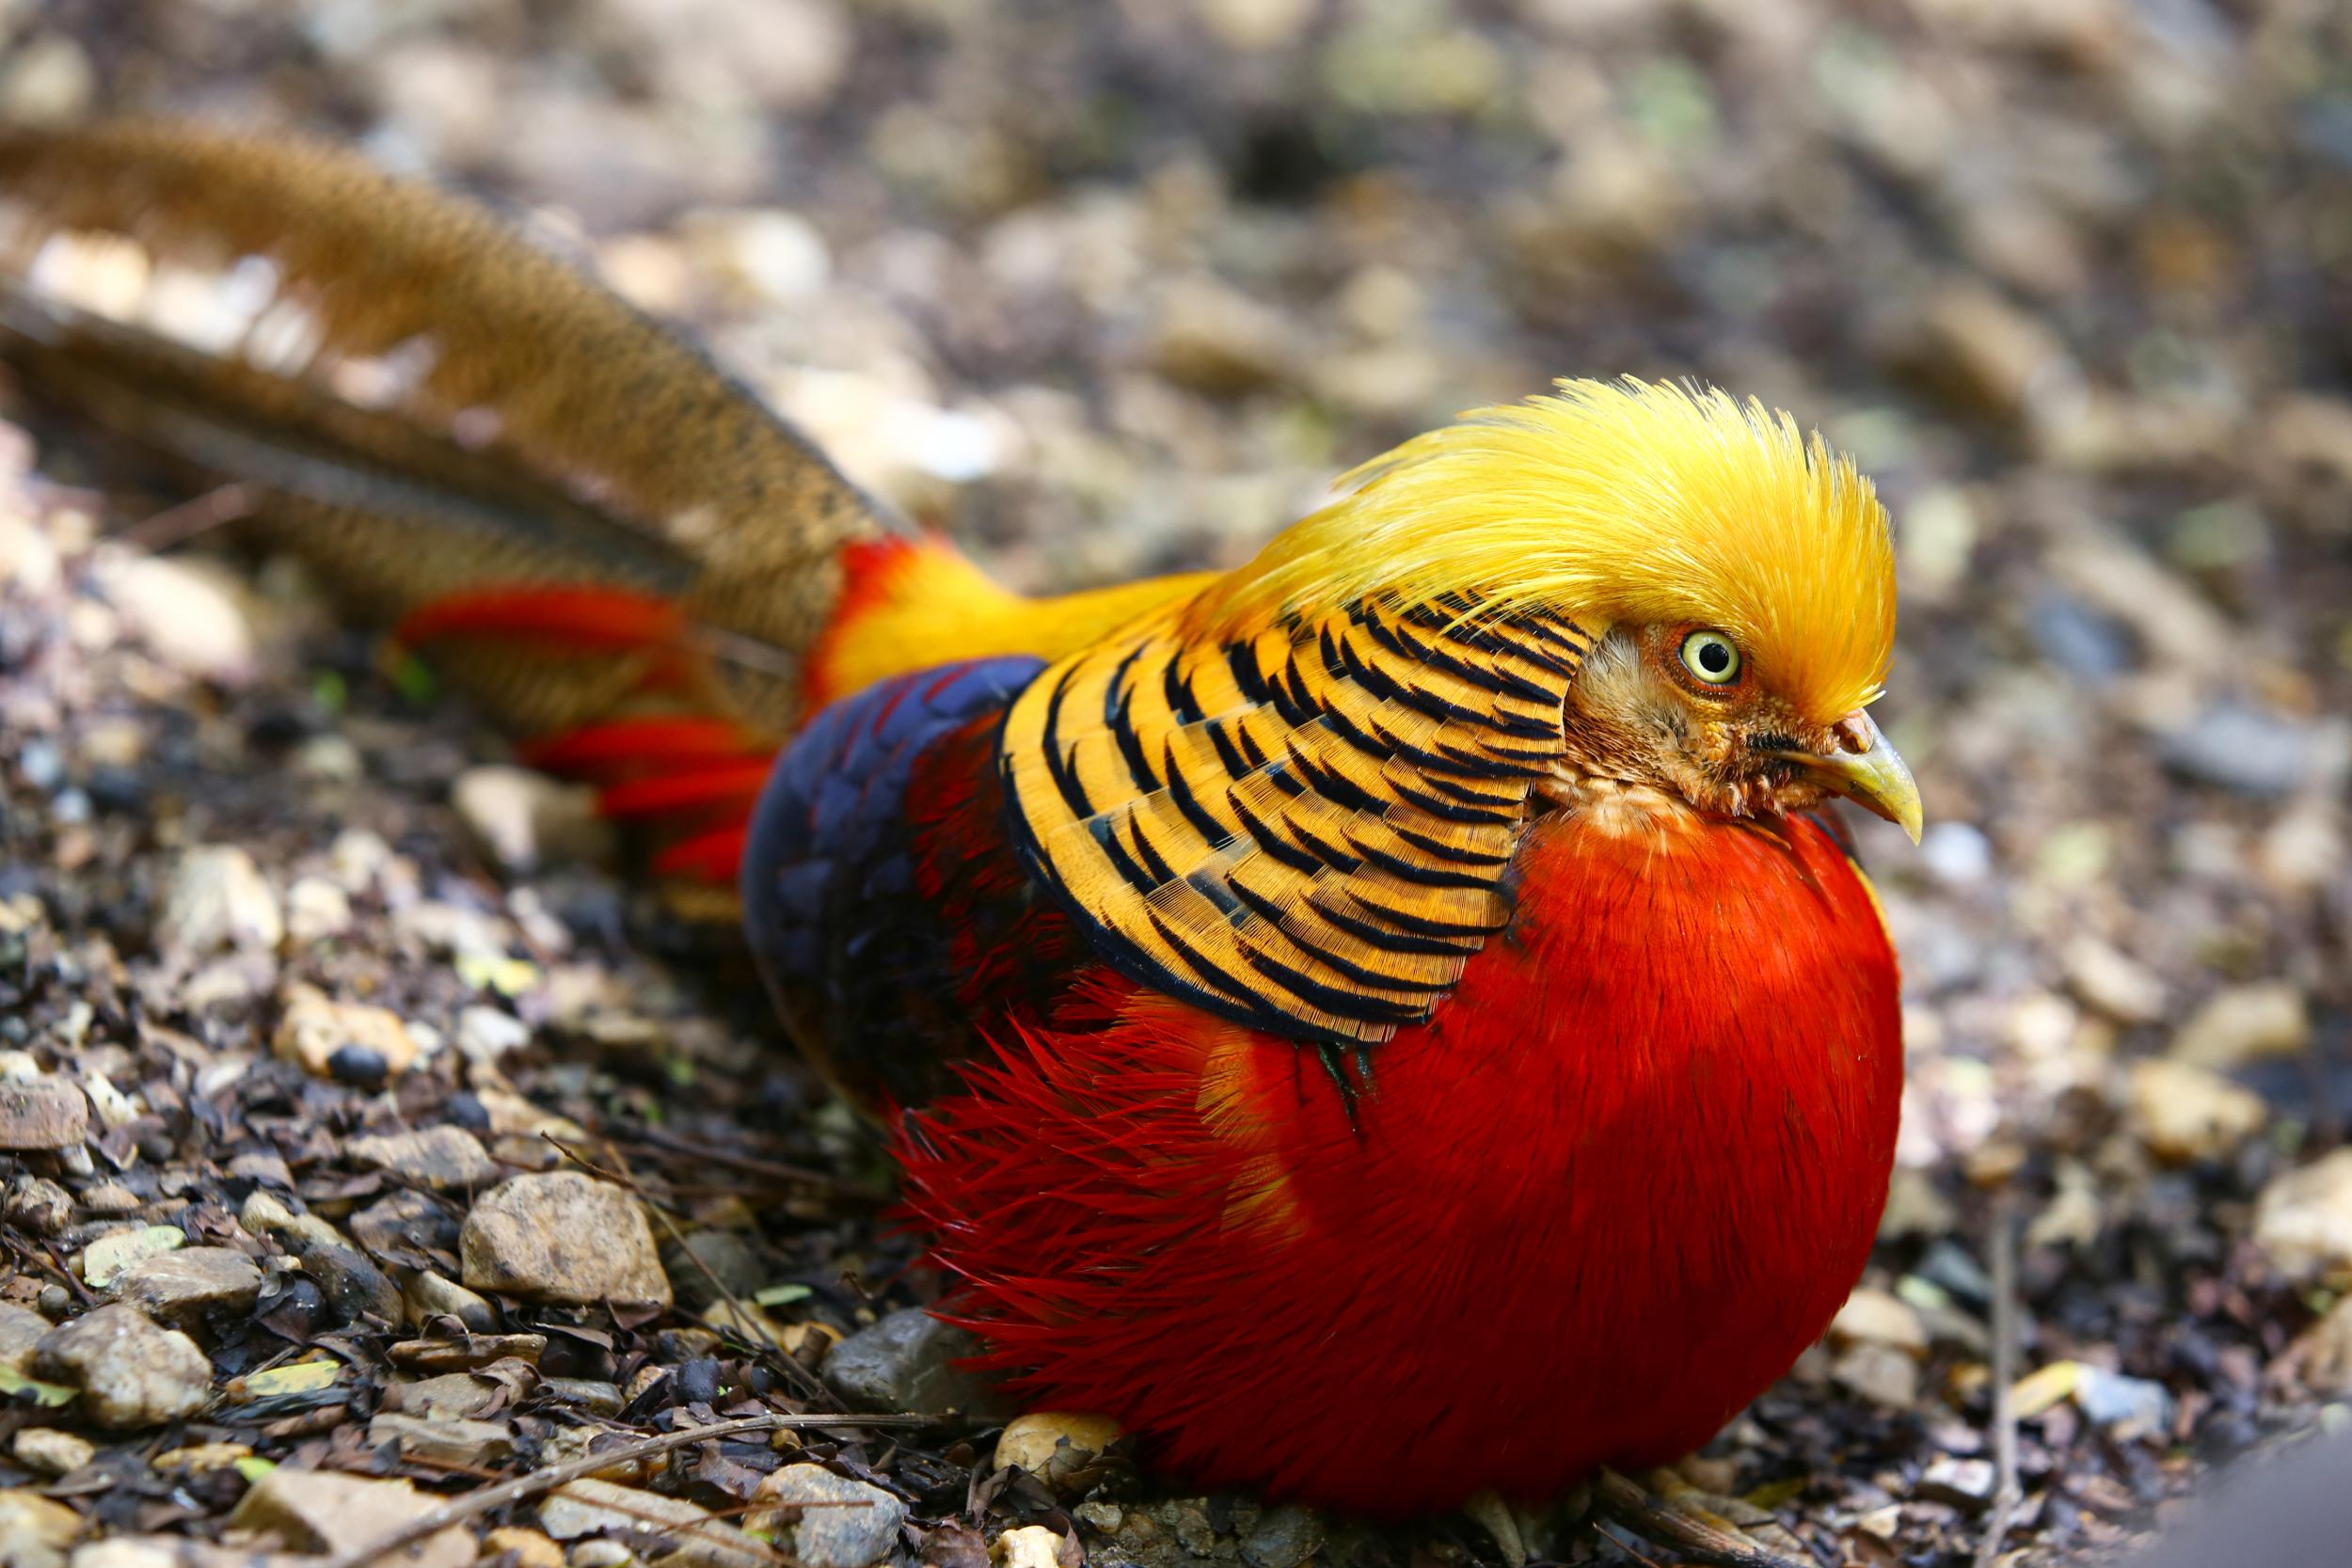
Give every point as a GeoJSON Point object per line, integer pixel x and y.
{"type": "Point", "coordinates": [2242, 1023]}
{"type": "Point", "coordinates": [563, 1237]}
{"type": "Point", "coordinates": [1957, 853]}
{"type": "Point", "coordinates": [35, 1203]}
{"type": "Point", "coordinates": [1058, 1447]}
{"type": "Point", "coordinates": [437, 1159]}
{"type": "Point", "coordinates": [314, 1029]}
{"type": "Point", "coordinates": [2249, 750]}
{"type": "Point", "coordinates": [48, 1113]}
{"type": "Point", "coordinates": [531, 1548]}
{"type": "Point", "coordinates": [1872, 1316]}
{"type": "Point", "coordinates": [316, 911]}
{"type": "Point", "coordinates": [51, 1452]}
{"type": "Point", "coordinates": [854, 1525]}
{"type": "Point", "coordinates": [110, 1256]}
{"type": "Point", "coordinates": [2184, 1113]}
{"type": "Point", "coordinates": [132, 1373]}
{"type": "Point", "coordinates": [2303, 1220]}
{"type": "Point", "coordinates": [217, 899]}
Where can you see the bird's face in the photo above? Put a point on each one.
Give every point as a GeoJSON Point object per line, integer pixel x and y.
{"type": "Point", "coordinates": [1744, 572]}
{"type": "Point", "coordinates": [1684, 709]}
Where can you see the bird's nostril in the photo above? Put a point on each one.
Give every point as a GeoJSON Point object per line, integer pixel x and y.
{"type": "Point", "coordinates": [1855, 732]}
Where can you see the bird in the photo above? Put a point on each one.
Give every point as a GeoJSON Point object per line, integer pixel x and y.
{"type": "Point", "coordinates": [1394, 1020]}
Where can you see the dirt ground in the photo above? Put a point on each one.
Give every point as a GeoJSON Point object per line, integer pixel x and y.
{"type": "Point", "coordinates": [297, 974]}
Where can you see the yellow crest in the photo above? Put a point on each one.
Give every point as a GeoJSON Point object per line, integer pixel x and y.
{"type": "Point", "coordinates": [1609, 503]}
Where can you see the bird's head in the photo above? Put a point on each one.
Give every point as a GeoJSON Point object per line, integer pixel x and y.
{"type": "Point", "coordinates": [1738, 576]}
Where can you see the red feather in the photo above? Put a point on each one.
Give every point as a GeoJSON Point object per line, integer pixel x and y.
{"type": "Point", "coordinates": [1614, 1187]}
{"type": "Point", "coordinates": [711, 857]}
{"type": "Point", "coordinates": [580, 617]}
{"type": "Point", "coordinates": [686, 788]}
{"type": "Point", "coordinates": [636, 743]}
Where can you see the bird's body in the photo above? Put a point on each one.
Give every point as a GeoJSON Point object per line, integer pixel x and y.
{"type": "Point", "coordinates": [1585, 1213]}
{"type": "Point", "coordinates": [1383, 1022]}
{"type": "Point", "coordinates": [1602, 1195]}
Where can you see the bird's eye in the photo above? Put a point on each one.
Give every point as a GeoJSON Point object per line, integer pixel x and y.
{"type": "Point", "coordinates": [1710, 656]}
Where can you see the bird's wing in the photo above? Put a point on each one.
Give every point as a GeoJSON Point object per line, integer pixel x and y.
{"type": "Point", "coordinates": [1309, 830]}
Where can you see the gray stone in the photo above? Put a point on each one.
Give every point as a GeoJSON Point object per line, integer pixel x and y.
{"type": "Point", "coordinates": [314, 1027]}
{"type": "Point", "coordinates": [855, 1524]}
{"type": "Point", "coordinates": [591, 1507]}
{"type": "Point", "coordinates": [37, 1204]}
{"type": "Point", "coordinates": [439, 1158]}
{"type": "Point", "coordinates": [1963, 1482]}
{"type": "Point", "coordinates": [524, 820]}
{"type": "Point", "coordinates": [21, 1330]}
{"type": "Point", "coordinates": [191, 1283]}
{"type": "Point", "coordinates": [189, 612]}
{"type": "Point", "coordinates": [217, 899]}
{"type": "Point", "coordinates": [53, 1452]}
{"type": "Point", "coordinates": [325, 1510]}
{"type": "Point", "coordinates": [2077, 638]}
{"type": "Point", "coordinates": [2243, 1024]}
{"type": "Point", "coordinates": [599, 1398]}
{"type": "Point", "coordinates": [721, 1255]}
{"type": "Point", "coordinates": [904, 1362]}
{"type": "Point", "coordinates": [430, 1295]}
{"type": "Point", "coordinates": [485, 1034]}
{"type": "Point", "coordinates": [352, 1286]}
{"type": "Point", "coordinates": [106, 1258]}
{"type": "Point", "coordinates": [34, 1531]}
{"type": "Point", "coordinates": [563, 1237]}
{"type": "Point", "coordinates": [451, 1395]}
{"type": "Point", "coordinates": [402, 1226]}
{"type": "Point", "coordinates": [2303, 1220]}
{"type": "Point", "coordinates": [447, 1439]}
{"type": "Point", "coordinates": [132, 1373]}
{"type": "Point", "coordinates": [316, 909]}
{"type": "Point", "coordinates": [2247, 750]}
{"type": "Point", "coordinates": [1282, 1538]}
{"type": "Point", "coordinates": [49, 1113]}
{"type": "Point", "coordinates": [2110, 1399]}
{"type": "Point", "coordinates": [1882, 1375]}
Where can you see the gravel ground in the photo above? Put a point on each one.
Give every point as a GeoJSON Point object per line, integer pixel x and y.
{"type": "Point", "coordinates": [327, 1037]}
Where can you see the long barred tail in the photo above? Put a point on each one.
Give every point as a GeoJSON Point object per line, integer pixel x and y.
{"type": "Point", "coordinates": [431, 409]}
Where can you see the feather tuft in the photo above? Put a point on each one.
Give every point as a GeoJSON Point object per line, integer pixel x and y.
{"type": "Point", "coordinates": [1624, 501]}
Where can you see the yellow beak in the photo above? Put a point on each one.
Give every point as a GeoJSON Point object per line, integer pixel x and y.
{"type": "Point", "coordinates": [1866, 771]}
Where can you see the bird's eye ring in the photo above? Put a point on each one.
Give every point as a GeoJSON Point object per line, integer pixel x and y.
{"type": "Point", "coordinates": [1712, 659]}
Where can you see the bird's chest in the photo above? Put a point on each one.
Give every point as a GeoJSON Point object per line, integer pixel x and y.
{"type": "Point", "coordinates": [1677, 1073]}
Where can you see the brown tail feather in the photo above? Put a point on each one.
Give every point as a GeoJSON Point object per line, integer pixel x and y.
{"type": "Point", "coordinates": [428, 402]}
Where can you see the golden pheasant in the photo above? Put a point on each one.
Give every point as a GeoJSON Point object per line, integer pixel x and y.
{"type": "Point", "coordinates": [1384, 1022]}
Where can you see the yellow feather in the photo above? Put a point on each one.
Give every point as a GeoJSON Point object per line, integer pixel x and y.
{"type": "Point", "coordinates": [1609, 503]}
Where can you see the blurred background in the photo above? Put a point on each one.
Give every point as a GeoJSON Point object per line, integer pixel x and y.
{"type": "Point", "coordinates": [1104, 287]}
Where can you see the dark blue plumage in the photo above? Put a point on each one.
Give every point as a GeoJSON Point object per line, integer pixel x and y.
{"type": "Point", "coordinates": [828, 873]}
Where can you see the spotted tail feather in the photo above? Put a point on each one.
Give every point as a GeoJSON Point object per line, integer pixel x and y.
{"type": "Point", "coordinates": [419, 400]}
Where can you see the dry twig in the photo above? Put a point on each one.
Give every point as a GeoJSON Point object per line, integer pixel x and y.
{"type": "Point", "coordinates": [176, 525]}
{"type": "Point", "coordinates": [2006, 1494]}
{"type": "Point", "coordinates": [1621, 1502]}
{"type": "Point", "coordinates": [457, 1511]}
